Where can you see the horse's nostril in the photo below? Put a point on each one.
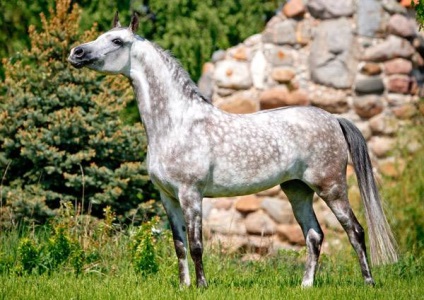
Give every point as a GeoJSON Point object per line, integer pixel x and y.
{"type": "Point", "coordinates": [79, 52]}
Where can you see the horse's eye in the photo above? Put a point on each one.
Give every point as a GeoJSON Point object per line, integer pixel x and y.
{"type": "Point", "coordinates": [117, 42]}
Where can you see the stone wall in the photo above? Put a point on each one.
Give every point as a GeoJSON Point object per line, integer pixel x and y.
{"type": "Point", "coordinates": [361, 59]}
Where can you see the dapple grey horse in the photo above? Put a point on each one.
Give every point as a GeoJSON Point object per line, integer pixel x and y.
{"type": "Point", "coordinates": [196, 150]}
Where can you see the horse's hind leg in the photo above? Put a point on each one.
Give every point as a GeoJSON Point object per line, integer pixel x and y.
{"type": "Point", "coordinates": [336, 198]}
{"type": "Point", "coordinates": [301, 197]}
{"type": "Point", "coordinates": [176, 220]}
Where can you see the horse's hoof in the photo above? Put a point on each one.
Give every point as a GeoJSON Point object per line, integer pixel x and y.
{"type": "Point", "coordinates": [307, 284]}
{"type": "Point", "coordinates": [370, 282]}
{"type": "Point", "coordinates": [202, 284]}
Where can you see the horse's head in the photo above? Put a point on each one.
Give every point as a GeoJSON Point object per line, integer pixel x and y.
{"type": "Point", "coordinates": [110, 52]}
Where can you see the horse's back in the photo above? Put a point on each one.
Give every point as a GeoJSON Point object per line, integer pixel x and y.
{"type": "Point", "coordinates": [255, 151]}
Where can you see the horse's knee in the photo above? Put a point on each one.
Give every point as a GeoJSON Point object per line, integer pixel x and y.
{"type": "Point", "coordinates": [196, 250]}
{"type": "Point", "coordinates": [350, 223]}
{"type": "Point", "coordinates": [180, 249]}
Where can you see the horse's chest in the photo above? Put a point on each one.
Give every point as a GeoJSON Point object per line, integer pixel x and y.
{"type": "Point", "coordinates": [175, 167]}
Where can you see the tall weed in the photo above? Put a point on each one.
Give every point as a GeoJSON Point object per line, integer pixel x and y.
{"type": "Point", "coordinates": [143, 248]}
{"type": "Point", "coordinates": [405, 193]}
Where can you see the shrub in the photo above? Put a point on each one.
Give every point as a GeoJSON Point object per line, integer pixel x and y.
{"type": "Point", "coordinates": [61, 137]}
{"type": "Point", "coordinates": [143, 249]}
{"type": "Point", "coordinates": [70, 243]}
{"type": "Point", "coordinates": [28, 255]}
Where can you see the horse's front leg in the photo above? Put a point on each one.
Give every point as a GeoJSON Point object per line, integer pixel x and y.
{"type": "Point", "coordinates": [178, 227]}
{"type": "Point", "coordinates": [191, 202]}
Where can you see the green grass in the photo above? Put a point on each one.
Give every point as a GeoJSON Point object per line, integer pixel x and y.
{"type": "Point", "coordinates": [112, 276]}
{"type": "Point", "coordinates": [266, 280]}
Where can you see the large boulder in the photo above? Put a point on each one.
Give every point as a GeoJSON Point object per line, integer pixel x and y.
{"type": "Point", "coordinates": [280, 33]}
{"type": "Point", "coordinates": [381, 145]}
{"type": "Point", "coordinates": [232, 74]}
{"type": "Point", "coordinates": [333, 101]}
{"type": "Point", "coordinates": [248, 204]}
{"type": "Point", "coordinates": [279, 210]}
{"type": "Point", "coordinates": [294, 8]}
{"type": "Point", "coordinates": [392, 47]}
{"type": "Point", "coordinates": [329, 9]}
{"type": "Point", "coordinates": [368, 106]}
{"type": "Point", "coordinates": [369, 17]}
{"type": "Point", "coordinates": [206, 80]}
{"type": "Point", "coordinates": [332, 61]}
{"type": "Point", "coordinates": [291, 233]}
{"type": "Point", "coordinates": [369, 85]}
{"type": "Point", "coordinates": [259, 223]}
{"type": "Point", "coordinates": [242, 102]}
{"type": "Point", "coordinates": [384, 124]}
{"type": "Point", "coordinates": [280, 96]}
{"type": "Point", "coordinates": [370, 69]}
{"type": "Point", "coordinates": [401, 26]}
{"type": "Point", "coordinates": [398, 66]}
{"type": "Point", "coordinates": [392, 6]}
{"type": "Point", "coordinates": [283, 74]}
{"type": "Point", "coordinates": [258, 69]}
{"type": "Point", "coordinates": [400, 84]}
{"type": "Point", "coordinates": [225, 222]}
{"type": "Point", "coordinates": [279, 55]}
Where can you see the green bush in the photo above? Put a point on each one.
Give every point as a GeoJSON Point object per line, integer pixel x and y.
{"type": "Point", "coordinates": [143, 250]}
{"type": "Point", "coordinates": [28, 255]}
{"type": "Point", "coordinates": [61, 137]}
{"type": "Point", "coordinates": [71, 243]}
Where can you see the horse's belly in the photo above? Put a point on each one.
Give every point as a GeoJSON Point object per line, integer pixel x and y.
{"type": "Point", "coordinates": [236, 190]}
{"type": "Point", "coordinates": [236, 180]}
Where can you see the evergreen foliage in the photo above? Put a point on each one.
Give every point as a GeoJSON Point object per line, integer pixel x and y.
{"type": "Point", "coordinates": [61, 137]}
{"type": "Point", "coordinates": [419, 9]}
{"type": "Point", "coordinates": [191, 29]}
{"type": "Point", "coordinates": [16, 17]}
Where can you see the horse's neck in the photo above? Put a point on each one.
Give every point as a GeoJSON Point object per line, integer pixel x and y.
{"type": "Point", "coordinates": [161, 100]}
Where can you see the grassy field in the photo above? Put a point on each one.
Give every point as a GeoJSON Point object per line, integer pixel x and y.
{"type": "Point", "coordinates": [112, 276]}
{"type": "Point", "coordinates": [229, 279]}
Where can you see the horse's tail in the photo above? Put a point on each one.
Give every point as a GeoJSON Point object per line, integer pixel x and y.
{"type": "Point", "coordinates": [382, 243]}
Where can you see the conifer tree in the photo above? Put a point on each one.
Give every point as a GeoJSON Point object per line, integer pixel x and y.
{"type": "Point", "coordinates": [61, 137]}
{"type": "Point", "coordinates": [193, 29]}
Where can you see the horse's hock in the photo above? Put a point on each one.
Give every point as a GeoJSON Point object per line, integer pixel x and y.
{"type": "Point", "coordinates": [361, 59]}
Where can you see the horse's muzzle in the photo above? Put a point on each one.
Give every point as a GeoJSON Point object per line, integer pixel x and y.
{"type": "Point", "coordinates": [79, 58]}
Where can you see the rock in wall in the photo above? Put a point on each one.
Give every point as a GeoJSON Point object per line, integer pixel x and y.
{"type": "Point", "coordinates": [361, 59]}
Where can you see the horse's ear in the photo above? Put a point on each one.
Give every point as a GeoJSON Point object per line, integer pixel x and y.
{"type": "Point", "coordinates": [116, 20]}
{"type": "Point", "coordinates": [134, 22]}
